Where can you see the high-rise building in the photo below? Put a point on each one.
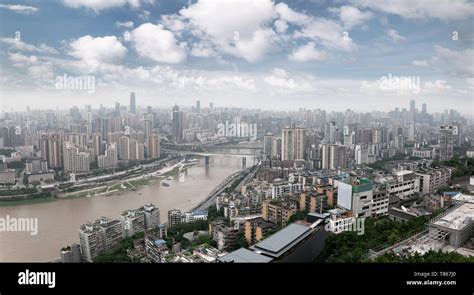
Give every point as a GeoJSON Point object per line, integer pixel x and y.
{"type": "Point", "coordinates": [136, 150]}
{"type": "Point", "coordinates": [146, 126]}
{"type": "Point", "coordinates": [446, 142]}
{"type": "Point", "coordinates": [361, 154]}
{"type": "Point", "coordinates": [333, 156]}
{"type": "Point", "coordinates": [117, 109]}
{"type": "Point", "coordinates": [178, 124]}
{"type": "Point", "coordinates": [153, 146]}
{"type": "Point", "coordinates": [365, 136]}
{"type": "Point", "coordinates": [174, 217]}
{"type": "Point", "coordinates": [330, 132]}
{"type": "Point", "coordinates": [110, 158]}
{"type": "Point", "coordinates": [98, 237]}
{"type": "Point", "coordinates": [292, 144]}
{"type": "Point", "coordinates": [152, 216]}
{"type": "Point", "coordinates": [115, 124]}
{"type": "Point", "coordinates": [457, 136]}
{"type": "Point", "coordinates": [133, 106]}
{"type": "Point", "coordinates": [97, 143]}
{"type": "Point", "coordinates": [198, 106]}
{"type": "Point", "coordinates": [75, 160]}
{"type": "Point", "coordinates": [267, 144]}
{"type": "Point", "coordinates": [412, 111]}
{"type": "Point", "coordinates": [51, 149]}
{"type": "Point", "coordinates": [124, 148]}
{"type": "Point", "coordinates": [133, 222]}
{"type": "Point", "coordinates": [276, 147]}
{"type": "Point", "coordinates": [423, 109]}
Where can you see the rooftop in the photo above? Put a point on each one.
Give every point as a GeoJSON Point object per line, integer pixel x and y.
{"type": "Point", "coordinates": [280, 242]}
{"type": "Point", "coordinates": [457, 219]}
{"type": "Point", "coordinates": [463, 198]}
{"type": "Point", "coordinates": [244, 255]}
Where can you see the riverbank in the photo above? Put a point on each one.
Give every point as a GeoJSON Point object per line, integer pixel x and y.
{"type": "Point", "coordinates": [27, 202]}
{"type": "Point", "coordinates": [59, 221]}
{"type": "Point", "coordinates": [116, 188]}
{"type": "Point", "coordinates": [131, 184]}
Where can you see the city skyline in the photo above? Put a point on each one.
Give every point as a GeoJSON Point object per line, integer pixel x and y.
{"type": "Point", "coordinates": [279, 55]}
{"type": "Point", "coordinates": [143, 108]}
{"type": "Point", "coordinates": [145, 133]}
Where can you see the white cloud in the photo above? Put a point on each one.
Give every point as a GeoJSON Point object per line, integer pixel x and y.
{"type": "Point", "coordinates": [94, 52]}
{"type": "Point", "coordinates": [279, 72]}
{"type": "Point", "coordinates": [395, 36]}
{"type": "Point", "coordinates": [289, 15]}
{"type": "Point", "coordinates": [329, 33]}
{"type": "Point", "coordinates": [307, 52]}
{"type": "Point", "coordinates": [21, 60]}
{"type": "Point", "coordinates": [39, 71]}
{"type": "Point", "coordinates": [420, 63]}
{"type": "Point", "coordinates": [421, 9]}
{"type": "Point", "coordinates": [281, 26]}
{"type": "Point", "coordinates": [237, 28]}
{"type": "Point", "coordinates": [458, 63]}
{"type": "Point", "coordinates": [22, 46]}
{"type": "Point", "coordinates": [22, 9]}
{"type": "Point", "coordinates": [173, 22]}
{"type": "Point", "coordinates": [202, 50]}
{"type": "Point", "coordinates": [436, 87]}
{"type": "Point", "coordinates": [251, 49]}
{"type": "Point", "coordinates": [279, 82]}
{"type": "Point", "coordinates": [145, 15]}
{"type": "Point", "coordinates": [98, 5]}
{"type": "Point", "coordinates": [157, 43]}
{"type": "Point", "coordinates": [351, 16]}
{"type": "Point", "coordinates": [251, 29]}
{"type": "Point", "coordinates": [127, 24]}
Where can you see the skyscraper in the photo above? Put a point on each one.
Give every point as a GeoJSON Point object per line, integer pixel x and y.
{"type": "Point", "coordinates": [110, 158]}
{"type": "Point", "coordinates": [330, 132]}
{"type": "Point", "coordinates": [446, 142]}
{"type": "Point", "coordinates": [292, 144]}
{"type": "Point", "coordinates": [124, 148]}
{"type": "Point", "coordinates": [153, 146]}
{"type": "Point", "coordinates": [51, 149]}
{"type": "Point", "coordinates": [133, 106]}
{"type": "Point", "coordinates": [412, 111]}
{"type": "Point", "coordinates": [74, 160]}
{"type": "Point", "coordinates": [178, 123]}
{"type": "Point", "coordinates": [267, 144]}
{"type": "Point", "coordinates": [117, 109]}
{"type": "Point", "coordinates": [333, 156]}
{"type": "Point", "coordinates": [423, 109]}
{"type": "Point", "coordinates": [198, 106]}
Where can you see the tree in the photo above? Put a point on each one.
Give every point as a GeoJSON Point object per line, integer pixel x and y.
{"type": "Point", "coordinates": [299, 215]}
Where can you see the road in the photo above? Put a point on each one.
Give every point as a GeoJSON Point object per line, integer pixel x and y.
{"type": "Point", "coordinates": [203, 205]}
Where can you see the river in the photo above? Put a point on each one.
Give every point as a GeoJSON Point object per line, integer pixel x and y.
{"type": "Point", "coordinates": [59, 221]}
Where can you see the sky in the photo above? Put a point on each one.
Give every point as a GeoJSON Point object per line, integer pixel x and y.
{"type": "Point", "coordinates": [280, 55]}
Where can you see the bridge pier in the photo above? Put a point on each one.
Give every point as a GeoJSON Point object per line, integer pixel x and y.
{"type": "Point", "coordinates": [244, 163]}
{"type": "Point", "coordinates": [206, 160]}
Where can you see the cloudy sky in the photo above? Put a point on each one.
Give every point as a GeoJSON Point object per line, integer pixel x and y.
{"type": "Point", "coordinates": [280, 55]}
